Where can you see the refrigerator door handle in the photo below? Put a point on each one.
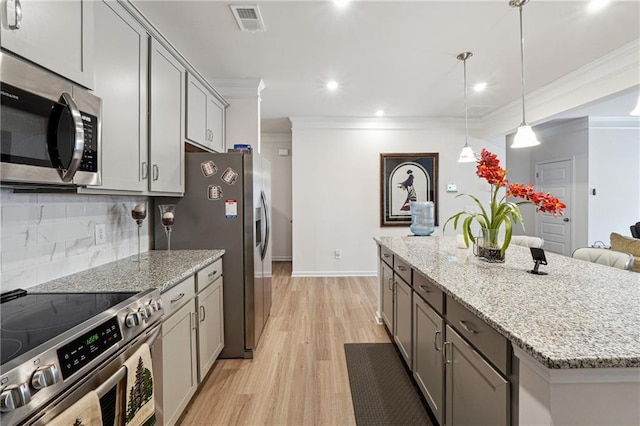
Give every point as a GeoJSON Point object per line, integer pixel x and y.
{"type": "Point", "coordinates": [265, 243]}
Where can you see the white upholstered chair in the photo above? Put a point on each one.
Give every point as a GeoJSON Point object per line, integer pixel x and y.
{"type": "Point", "coordinates": [617, 259]}
{"type": "Point", "coordinates": [527, 241]}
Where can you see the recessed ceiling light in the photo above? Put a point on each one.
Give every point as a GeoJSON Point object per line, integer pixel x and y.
{"type": "Point", "coordinates": [341, 3]}
{"type": "Point", "coordinates": [332, 85]}
{"type": "Point", "coordinates": [379, 113]}
{"type": "Point", "coordinates": [479, 87]}
{"type": "Point", "coordinates": [596, 5]}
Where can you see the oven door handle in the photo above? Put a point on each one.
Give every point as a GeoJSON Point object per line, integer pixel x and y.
{"type": "Point", "coordinates": [122, 371]}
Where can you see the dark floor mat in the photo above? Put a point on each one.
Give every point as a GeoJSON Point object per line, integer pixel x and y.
{"type": "Point", "coordinates": [381, 388]}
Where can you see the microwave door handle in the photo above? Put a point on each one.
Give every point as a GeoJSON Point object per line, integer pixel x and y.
{"type": "Point", "coordinates": [78, 143]}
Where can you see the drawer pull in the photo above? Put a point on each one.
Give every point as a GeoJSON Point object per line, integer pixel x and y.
{"type": "Point", "coordinates": [466, 327]}
{"type": "Point", "coordinates": [444, 353]}
{"type": "Point", "coordinates": [180, 296]}
{"type": "Point", "coordinates": [401, 268]}
{"type": "Point", "coordinates": [387, 255]}
{"type": "Point", "coordinates": [425, 289]}
{"type": "Point", "coordinates": [211, 274]}
{"type": "Point", "coordinates": [435, 341]}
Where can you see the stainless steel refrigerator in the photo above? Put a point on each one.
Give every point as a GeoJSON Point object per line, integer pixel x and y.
{"type": "Point", "coordinates": [227, 205]}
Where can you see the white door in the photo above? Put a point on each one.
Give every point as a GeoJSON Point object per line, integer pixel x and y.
{"type": "Point", "coordinates": [555, 177]}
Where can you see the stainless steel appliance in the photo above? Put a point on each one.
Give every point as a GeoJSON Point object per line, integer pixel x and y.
{"type": "Point", "coordinates": [57, 346]}
{"type": "Point", "coordinates": [226, 205]}
{"type": "Point", "coordinates": [50, 128]}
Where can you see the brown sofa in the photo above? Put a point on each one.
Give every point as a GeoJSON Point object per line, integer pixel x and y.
{"type": "Point", "coordinates": [627, 245]}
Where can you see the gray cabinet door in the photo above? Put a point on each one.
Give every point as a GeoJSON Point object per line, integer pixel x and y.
{"type": "Point", "coordinates": [57, 35]}
{"type": "Point", "coordinates": [475, 393]}
{"type": "Point", "coordinates": [403, 318]}
{"type": "Point", "coordinates": [210, 327]}
{"type": "Point", "coordinates": [386, 284]}
{"type": "Point", "coordinates": [121, 59]}
{"type": "Point", "coordinates": [196, 112]}
{"type": "Point", "coordinates": [166, 133]}
{"type": "Point", "coordinates": [215, 124]}
{"type": "Point", "coordinates": [428, 362]}
{"type": "Point", "coordinates": [179, 362]}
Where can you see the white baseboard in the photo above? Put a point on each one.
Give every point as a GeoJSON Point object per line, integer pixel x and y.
{"type": "Point", "coordinates": [334, 274]}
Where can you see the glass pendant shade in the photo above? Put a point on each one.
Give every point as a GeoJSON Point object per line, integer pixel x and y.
{"type": "Point", "coordinates": [525, 137]}
{"type": "Point", "coordinates": [467, 155]}
{"type": "Point", "coordinates": [636, 110]}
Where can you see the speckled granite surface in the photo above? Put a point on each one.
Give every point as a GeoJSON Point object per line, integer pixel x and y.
{"type": "Point", "coordinates": [581, 315]}
{"type": "Point", "coordinates": [158, 268]}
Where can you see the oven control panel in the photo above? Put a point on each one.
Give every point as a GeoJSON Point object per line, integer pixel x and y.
{"type": "Point", "coordinates": [81, 351]}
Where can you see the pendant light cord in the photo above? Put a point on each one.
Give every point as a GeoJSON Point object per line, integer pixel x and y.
{"type": "Point", "coordinates": [466, 109]}
{"type": "Point", "coordinates": [524, 120]}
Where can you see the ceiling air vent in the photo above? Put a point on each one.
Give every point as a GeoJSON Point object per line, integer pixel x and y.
{"type": "Point", "coordinates": [248, 17]}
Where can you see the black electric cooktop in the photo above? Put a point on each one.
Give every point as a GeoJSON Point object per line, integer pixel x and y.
{"type": "Point", "coordinates": [28, 320]}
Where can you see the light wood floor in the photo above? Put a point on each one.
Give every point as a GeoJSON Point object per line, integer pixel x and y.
{"type": "Point", "coordinates": [298, 375]}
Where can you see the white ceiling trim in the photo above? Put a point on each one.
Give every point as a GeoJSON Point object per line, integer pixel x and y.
{"type": "Point", "coordinates": [617, 123]}
{"type": "Point", "coordinates": [382, 123]}
{"type": "Point", "coordinates": [241, 88]}
{"type": "Point", "coordinates": [607, 75]}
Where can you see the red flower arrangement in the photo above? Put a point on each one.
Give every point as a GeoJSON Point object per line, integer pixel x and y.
{"type": "Point", "coordinates": [502, 211]}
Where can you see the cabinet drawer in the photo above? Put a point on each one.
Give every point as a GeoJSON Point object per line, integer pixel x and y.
{"type": "Point", "coordinates": [402, 268]}
{"type": "Point", "coordinates": [489, 342]}
{"type": "Point", "coordinates": [208, 275]}
{"type": "Point", "coordinates": [428, 291]}
{"type": "Point", "coordinates": [178, 295]}
{"type": "Point", "coordinates": [386, 256]}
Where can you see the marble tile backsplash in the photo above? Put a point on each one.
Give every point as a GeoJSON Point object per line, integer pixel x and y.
{"type": "Point", "coordinates": [48, 236]}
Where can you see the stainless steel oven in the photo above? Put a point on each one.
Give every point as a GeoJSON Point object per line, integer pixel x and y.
{"type": "Point", "coordinates": [45, 370]}
{"type": "Point", "coordinates": [50, 128]}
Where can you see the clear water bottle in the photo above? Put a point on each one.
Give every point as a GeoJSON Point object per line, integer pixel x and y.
{"type": "Point", "coordinates": [422, 217]}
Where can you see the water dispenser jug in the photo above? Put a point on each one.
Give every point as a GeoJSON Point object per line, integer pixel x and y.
{"type": "Point", "coordinates": [422, 218]}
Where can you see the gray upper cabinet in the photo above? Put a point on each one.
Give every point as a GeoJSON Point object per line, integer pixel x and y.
{"type": "Point", "coordinates": [167, 102]}
{"type": "Point", "coordinates": [205, 116]}
{"type": "Point", "coordinates": [57, 35]}
{"type": "Point", "coordinates": [121, 57]}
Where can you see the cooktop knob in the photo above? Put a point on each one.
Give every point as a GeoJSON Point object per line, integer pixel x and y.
{"type": "Point", "coordinates": [146, 311]}
{"type": "Point", "coordinates": [158, 304]}
{"type": "Point", "coordinates": [14, 396]}
{"type": "Point", "coordinates": [133, 319]}
{"type": "Point", "coordinates": [45, 376]}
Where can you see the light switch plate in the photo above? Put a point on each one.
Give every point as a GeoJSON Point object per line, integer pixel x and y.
{"type": "Point", "coordinates": [101, 233]}
{"type": "Point", "coordinates": [452, 187]}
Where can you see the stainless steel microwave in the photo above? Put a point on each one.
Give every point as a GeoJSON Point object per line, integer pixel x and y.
{"type": "Point", "coordinates": [50, 128]}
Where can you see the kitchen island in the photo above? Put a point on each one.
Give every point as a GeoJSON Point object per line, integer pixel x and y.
{"type": "Point", "coordinates": [157, 269]}
{"type": "Point", "coordinates": [574, 333]}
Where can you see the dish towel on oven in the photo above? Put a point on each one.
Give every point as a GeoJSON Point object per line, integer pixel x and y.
{"type": "Point", "coordinates": [86, 411]}
{"type": "Point", "coordinates": [140, 406]}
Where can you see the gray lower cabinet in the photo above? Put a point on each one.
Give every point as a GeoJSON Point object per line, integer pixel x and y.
{"type": "Point", "coordinates": [402, 318]}
{"type": "Point", "coordinates": [428, 367]}
{"type": "Point", "coordinates": [476, 394]}
{"type": "Point", "coordinates": [386, 284]}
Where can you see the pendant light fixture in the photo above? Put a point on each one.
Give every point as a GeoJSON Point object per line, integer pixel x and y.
{"type": "Point", "coordinates": [525, 137]}
{"type": "Point", "coordinates": [467, 155]}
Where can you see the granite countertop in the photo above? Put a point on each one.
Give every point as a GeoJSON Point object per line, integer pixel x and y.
{"type": "Point", "coordinates": [157, 269]}
{"type": "Point", "coordinates": [581, 315]}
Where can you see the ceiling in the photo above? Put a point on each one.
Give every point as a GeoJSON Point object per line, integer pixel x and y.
{"type": "Point", "coordinates": [398, 56]}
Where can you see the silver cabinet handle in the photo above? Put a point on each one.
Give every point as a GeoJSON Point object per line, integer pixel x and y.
{"type": "Point", "coordinates": [425, 289]}
{"type": "Point", "coordinates": [401, 268]}
{"type": "Point", "coordinates": [445, 352]}
{"type": "Point", "coordinates": [145, 170]}
{"type": "Point", "coordinates": [466, 327]}
{"type": "Point", "coordinates": [390, 285]}
{"type": "Point", "coordinates": [435, 341]}
{"type": "Point", "coordinates": [78, 143]}
{"type": "Point", "coordinates": [211, 274]}
{"type": "Point", "coordinates": [387, 255]}
{"type": "Point", "coordinates": [194, 316]}
{"type": "Point", "coordinates": [156, 172]}
{"type": "Point", "coordinates": [180, 296]}
{"type": "Point", "coordinates": [14, 14]}
{"type": "Point", "coordinates": [202, 313]}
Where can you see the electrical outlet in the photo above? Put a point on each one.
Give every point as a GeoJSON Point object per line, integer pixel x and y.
{"type": "Point", "coordinates": [337, 253]}
{"type": "Point", "coordinates": [100, 233]}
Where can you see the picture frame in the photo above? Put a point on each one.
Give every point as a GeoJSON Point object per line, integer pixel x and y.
{"type": "Point", "coordinates": [406, 177]}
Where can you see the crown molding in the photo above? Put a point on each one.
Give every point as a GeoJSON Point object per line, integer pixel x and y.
{"type": "Point", "coordinates": [239, 88]}
{"type": "Point", "coordinates": [381, 123]}
{"type": "Point", "coordinates": [617, 123]}
{"type": "Point", "coordinates": [609, 74]}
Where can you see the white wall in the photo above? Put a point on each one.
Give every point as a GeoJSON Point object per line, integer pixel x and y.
{"type": "Point", "coordinates": [336, 186]}
{"type": "Point", "coordinates": [48, 236]}
{"type": "Point", "coordinates": [280, 193]}
{"type": "Point", "coordinates": [614, 172]}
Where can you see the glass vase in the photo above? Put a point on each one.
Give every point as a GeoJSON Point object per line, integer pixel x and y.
{"type": "Point", "coordinates": [489, 246]}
